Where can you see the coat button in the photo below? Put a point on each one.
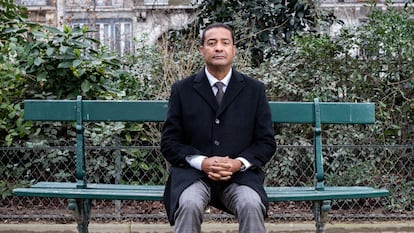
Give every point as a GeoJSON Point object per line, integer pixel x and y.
{"type": "Point", "coordinates": [217, 121]}
{"type": "Point", "coordinates": [217, 143]}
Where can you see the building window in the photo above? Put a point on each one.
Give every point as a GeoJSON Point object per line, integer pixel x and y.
{"type": "Point", "coordinates": [116, 34]}
{"type": "Point", "coordinates": [103, 2]}
{"type": "Point", "coordinates": [155, 2]}
{"type": "Point", "coordinates": [33, 2]}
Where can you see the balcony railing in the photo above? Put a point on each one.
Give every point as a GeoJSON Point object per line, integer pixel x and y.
{"type": "Point", "coordinates": [359, 1]}
{"type": "Point", "coordinates": [33, 2]}
{"type": "Point", "coordinates": [155, 2]}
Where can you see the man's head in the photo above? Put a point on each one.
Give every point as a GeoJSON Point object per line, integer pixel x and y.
{"type": "Point", "coordinates": [217, 48]}
{"type": "Point", "coordinates": [216, 25]}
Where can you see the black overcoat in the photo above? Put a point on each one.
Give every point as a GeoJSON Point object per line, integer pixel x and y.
{"type": "Point", "coordinates": [240, 127]}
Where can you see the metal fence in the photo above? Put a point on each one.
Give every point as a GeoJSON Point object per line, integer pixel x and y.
{"type": "Point", "coordinates": [390, 167]}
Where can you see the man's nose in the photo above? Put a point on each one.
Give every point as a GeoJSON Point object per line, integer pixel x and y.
{"type": "Point", "coordinates": [219, 46]}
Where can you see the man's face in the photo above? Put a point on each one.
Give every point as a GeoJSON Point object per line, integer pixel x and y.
{"type": "Point", "coordinates": [218, 49]}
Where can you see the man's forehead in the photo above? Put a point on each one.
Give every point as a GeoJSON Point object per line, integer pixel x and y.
{"type": "Point", "coordinates": [218, 34]}
{"type": "Point", "coordinates": [218, 38]}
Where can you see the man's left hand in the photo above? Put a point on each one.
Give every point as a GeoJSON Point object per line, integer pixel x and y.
{"type": "Point", "coordinates": [222, 168]}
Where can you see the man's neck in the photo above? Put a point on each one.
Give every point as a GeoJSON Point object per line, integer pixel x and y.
{"type": "Point", "coordinates": [218, 72]}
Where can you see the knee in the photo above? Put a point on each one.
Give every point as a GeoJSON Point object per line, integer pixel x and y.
{"type": "Point", "coordinates": [192, 206]}
{"type": "Point", "coordinates": [251, 204]}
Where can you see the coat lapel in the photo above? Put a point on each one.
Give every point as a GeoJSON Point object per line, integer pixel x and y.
{"type": "Point", "coordinates": [202, 86]}
{"type": "Point", "coordinates": [236, 84]}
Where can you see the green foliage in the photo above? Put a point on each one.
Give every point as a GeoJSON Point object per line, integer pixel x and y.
{"type": "Point", "coordinates": [11, 80]}
{"type": "Point", "coordinates": [403, 199]}
{"type": "Point", "coordinates": [44, 62]}
{"type": "Point", "coordinates": [67, 64]}
{"type": "Point", "coordinates": [261, 26]}
{"type": "Point", "coordinates": [9, 173]}
{"type": "Point", "coordinates": [370, 63]}
{"type": "Point", "coordinates": [153, 68]}
{"type": "Point", "coordinates": [145, 68]}
{"type": "Point", "coordinates": [11, 11]}
{"type": "Point", "coordinates": [373, 62]}
{"type": "Point", "coordinates": [387, 47]}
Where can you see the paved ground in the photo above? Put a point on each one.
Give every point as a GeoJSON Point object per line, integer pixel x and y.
{"type": "Point", "coordinates": [382, 227]}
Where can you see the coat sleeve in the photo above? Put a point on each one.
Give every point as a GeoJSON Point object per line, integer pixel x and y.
{"type": "Point", "coordinates": [173, 146]}
{"type": "Point", "coordinates": [263, 146]}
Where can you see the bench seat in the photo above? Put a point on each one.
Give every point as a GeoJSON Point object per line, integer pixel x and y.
{"type": "Point", "coordinates": [330, 193]}
{"type": "Point", "coordinates": [155, 192]}
{"type": "Point", "coordinates": [98, 191]}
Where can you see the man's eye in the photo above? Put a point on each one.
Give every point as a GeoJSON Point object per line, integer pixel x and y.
{"type": "Point", "coordinates": [211, 43]}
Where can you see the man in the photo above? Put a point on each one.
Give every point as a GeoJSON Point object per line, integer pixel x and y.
{"type": "Point", "coordinates": [217, 147]}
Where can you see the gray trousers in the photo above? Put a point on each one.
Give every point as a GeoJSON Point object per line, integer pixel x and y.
{"type": "Point", "coordinates": [242, 200]}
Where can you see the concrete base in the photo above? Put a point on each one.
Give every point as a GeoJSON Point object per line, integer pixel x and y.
{"type": "Point", "coordinates": [383, 227]}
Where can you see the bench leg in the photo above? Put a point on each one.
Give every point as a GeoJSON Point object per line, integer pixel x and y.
{"type": "Point", "coordinates": [81, 211]}
{"type": "Point", "coordinates": [321, 209]}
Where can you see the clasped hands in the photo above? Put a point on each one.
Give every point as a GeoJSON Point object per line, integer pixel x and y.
{"type": "Point", "coordinates": [220, 168]}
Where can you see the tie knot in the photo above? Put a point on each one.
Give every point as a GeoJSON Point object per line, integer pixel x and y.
{"type": "Point", "coordinates": [219, 85]}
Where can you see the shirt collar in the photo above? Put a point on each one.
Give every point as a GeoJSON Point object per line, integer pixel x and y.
{"type": "Point", "coordinates": [212, 80]}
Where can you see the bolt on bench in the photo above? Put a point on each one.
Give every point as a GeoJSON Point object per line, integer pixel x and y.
{"type": "Point", "coordinates": [81, 193]}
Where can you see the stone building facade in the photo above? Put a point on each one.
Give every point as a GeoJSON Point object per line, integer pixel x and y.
{"type": "Point", "coordinates": [119, 22]}
{"type": "Point", "coordinates": [116, 22]}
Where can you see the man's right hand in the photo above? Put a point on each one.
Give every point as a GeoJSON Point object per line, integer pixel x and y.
{"type": "Point", "coordinates": [220, 168]}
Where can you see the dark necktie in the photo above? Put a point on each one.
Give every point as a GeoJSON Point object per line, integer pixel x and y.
{"type": "Point", "coordinates": [220, 92]}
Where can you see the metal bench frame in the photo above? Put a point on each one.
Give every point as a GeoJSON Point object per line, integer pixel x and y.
{"type": "Point", "coordinates": [80, 193]}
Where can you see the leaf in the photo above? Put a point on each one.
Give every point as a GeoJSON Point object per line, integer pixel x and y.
{"type": "Point", "coordinates": [66, 29]}
{"type": "Point", "coordinates": [65, 64]}
{"type": "Point", "coordinates": [39, 34]}
{"type": "Point", "coordinates": [38, 61]}
{"type": "Point", "coordinates": [50, 51]}
{"type": "Point", "coordinates": [77, 52]}
{"type": "Point", "coordinates": [76, 63]}
{"type": "Point", "coordinates": [81, 72]}
{"type": "Point", "coordinates": [53, 30]}
{"type": "Point", "coordinates": [63, 49]}
{"type": "Point", "coordinates": [80, 44]}
{"type": "Point", "coordinates": [85, 86]}
{"type": "Point", "coordinates": [144, 166]}
{"type": "Point", "coordinates": [41, 77]}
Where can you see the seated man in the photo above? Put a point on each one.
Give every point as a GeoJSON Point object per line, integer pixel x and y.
{"type": "Point", "coordinates": [217, 136]}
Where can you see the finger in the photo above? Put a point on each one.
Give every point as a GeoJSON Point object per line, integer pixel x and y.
{"type": "Point", "coordinates": [220, 174]}
{"type": "Point", "coordinates": [217, 177]}
{"type": "Point", "coordinates": [218, 168]}
{"type": "Point", "coordinates": [222, 164]}
{"type": "Point", "coordinates": [225, 177]}
{"type": "Point", "coordinates": [214, 176]}
{"type": "Point", "coordinates": [225, 173]}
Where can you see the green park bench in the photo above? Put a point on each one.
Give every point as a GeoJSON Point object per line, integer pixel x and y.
{"type": "Point", "coordinates": [81, 193]}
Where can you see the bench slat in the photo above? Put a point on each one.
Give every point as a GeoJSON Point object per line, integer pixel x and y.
{"type": "Point", "coordinates": [337, 113]}
{"type": "Point", "coordinates": [139, 111]}
{"type": "Point", "coordinates": [329, 193]}
{"type": "Point", "coordinates": [97, 110]}
{"type": "Point", "coordinates": [155, 192]}
{"type": "Point", "coordinates": [109, 194]}
{"type": "Point", "coordinates": [64, 185]}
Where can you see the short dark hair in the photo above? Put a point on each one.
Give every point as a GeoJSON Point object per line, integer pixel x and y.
{"type": "Point", "coordinates": [216, 25]}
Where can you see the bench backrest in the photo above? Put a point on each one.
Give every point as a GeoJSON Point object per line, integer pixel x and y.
{"type": "Point", "coordinates": [80, 111]}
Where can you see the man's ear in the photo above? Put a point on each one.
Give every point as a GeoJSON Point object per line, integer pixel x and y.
{"type": "Point", "coordinates": [201, 49]}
